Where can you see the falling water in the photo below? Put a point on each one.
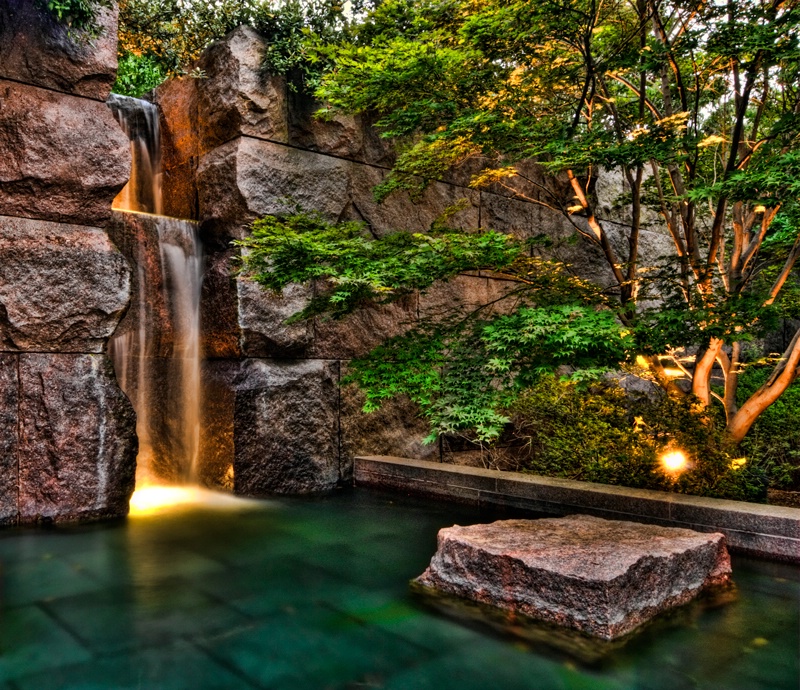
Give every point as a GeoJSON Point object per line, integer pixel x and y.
{"type": "Point", "coordinates": [156, 350]}
{"type": "Point", "coordinates": [139, 120]}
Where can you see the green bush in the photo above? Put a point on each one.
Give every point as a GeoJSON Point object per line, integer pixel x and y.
{"type": "Point", "coordinates": [773, 443]}
{"type": "Point", "coordinates": [138, 74]}
{"type": "Point", "coordinates": [604, 434]}
{"type": "Point", "coordinates": [75, 14]}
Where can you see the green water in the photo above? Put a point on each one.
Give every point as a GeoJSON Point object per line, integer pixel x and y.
{"type": "Point", "coordinates": [313, 594]}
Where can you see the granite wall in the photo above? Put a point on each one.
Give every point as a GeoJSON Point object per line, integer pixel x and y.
{"type": "Point", "coordinates": [67, 438]}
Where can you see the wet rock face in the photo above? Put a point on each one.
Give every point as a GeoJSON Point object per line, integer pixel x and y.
{"type": "Point", "coordinates": [77, 444]}
{"type": "Point", "coordinates": [63, 288]}
{"type": "Point", "coordinates": [602, 577]}
{"type": "Point", "coordinates": [62, 158]}
{"type": "Point", "coordinates": [35, 49]}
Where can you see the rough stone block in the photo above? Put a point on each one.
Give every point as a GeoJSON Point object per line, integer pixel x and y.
{"type": "Point", "coordinates": [358, 333]}
{"type": "Point", "coordinates": [510, 216]}
{"type": "Point", "coordinates": [219, 307]}
{"type": "Point", "coordinates": [262, 320]}
{"type": "Point", "coordinates": [347, 136]}
{"type": "Point", "coordinates": [37, 50]}
{"type": "Point", "coordinates": [399, 212]}
{"type": "Point", "coordinates": [464, 294]}
{"type": "Point", "coordinates": [602, 577]}
{"type": "Point", "coordinates": [286, 427]}
{"type": "Point", "coordinates": [235, 96]}
{"type": "Point", "coordinates": [247, 178]}
{"type": "Point", "coordinates": [63, 288]}
{"type": "Point", "coordinates": [9, 423]}
{"type": "Point", "coordinates": [62, 158]}
{"type": "Point", "coordinates": [77, 447]}
{"type": "Point", "coordinates": [395, 429]}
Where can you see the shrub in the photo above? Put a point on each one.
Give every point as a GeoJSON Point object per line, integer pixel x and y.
{"type": "Point", "coordinates": [602, 433]}
{"type": "Point", "coordinates": [138, 74]}
{"type": "Point", "coordinates": [80, 15]}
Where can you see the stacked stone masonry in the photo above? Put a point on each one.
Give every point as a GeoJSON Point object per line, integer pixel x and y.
{"type": "Point", "coordinates": [67, 432]}
{"type": "Point", "coordinates": [238, 145]}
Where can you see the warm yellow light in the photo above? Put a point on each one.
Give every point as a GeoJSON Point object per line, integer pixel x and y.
{"type": "Point", "coordinates": [674, 461]}
{"type": "Point", "coordinates": [673, 372]}
{"type": "Point", "coordinates": [738, 463]}
{"type": "Point", "coordinates": [151, 500]}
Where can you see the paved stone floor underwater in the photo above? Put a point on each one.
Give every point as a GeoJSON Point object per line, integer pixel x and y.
{"type": "Point", "coordinates": [313, 593]}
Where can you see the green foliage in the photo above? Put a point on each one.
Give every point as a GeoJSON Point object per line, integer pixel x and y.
{"type": "Point", "coordinates": [361, 268]}
{"type": "Point", "coordinates": [138, 74]}
{"type": "Point", "coordinates": [465, 373]}
{"type": "Point", "coordinates": [463, 367]}
{"type": "Point", "coordinates": [79, 15]}
{"type": "Point", "coordinates": [173, 33]}
{"type": "Point", "coordinates": [602, 434]}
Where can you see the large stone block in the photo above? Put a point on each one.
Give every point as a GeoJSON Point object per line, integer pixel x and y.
{"type": "Point", "coordinates": [180, 146]}
{"type": "Point", "coordinates": [77, 448]}
{"type": "Point", "coordinates": [262, 320]}
{"type": "Point", "coordinates": [399, 212]}
{"type": "Point", "coordinates": [247, 178]}
{"type": "Point", "coordinates": [467, 294]}
{"type": "Point", "coordinates": [396, 429]}
{"type": "Point", "coordinates": [9, 425]}
{"type": "Point", "coordinates": [286, 427]}
{"type": "Point", "coordinates": [601, 577]}
{"type": "Point", "coordinates": [219, 306]}
{"type": "Point", "coordinates": [62, 158]}
{"type": "Point", "coordinates": [346, 136]}
{"type": "Point", "coordinates": [236, 96]}
{"type": "Point", "coordinates": [37, 50]}
{"type": "Point", "coordinates": [358, 333]}
{"type": "Point", "coordinates": [63, 288]}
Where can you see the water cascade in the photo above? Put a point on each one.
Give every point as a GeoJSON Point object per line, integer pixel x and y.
{"type": "Point", "coordinates": [157, 350]}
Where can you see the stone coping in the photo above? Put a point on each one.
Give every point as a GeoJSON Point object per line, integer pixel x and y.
{"type": "Point", "coordinates": [757, 529]}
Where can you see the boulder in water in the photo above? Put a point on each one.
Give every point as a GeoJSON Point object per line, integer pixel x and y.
{"type": "Point", "coordinates": [601, 577]}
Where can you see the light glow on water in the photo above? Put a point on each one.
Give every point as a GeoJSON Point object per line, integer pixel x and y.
{"type": "Point", "coordinates": [151, 500]}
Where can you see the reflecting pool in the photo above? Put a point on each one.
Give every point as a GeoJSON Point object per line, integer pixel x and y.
{"type": "Point", "coordinates": [313, 593]}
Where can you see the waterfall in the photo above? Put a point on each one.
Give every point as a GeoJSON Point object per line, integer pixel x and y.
{"type": "Point", "coordinates": [157, 348]}
{"type": "Point", "coordinates": [139, 120]}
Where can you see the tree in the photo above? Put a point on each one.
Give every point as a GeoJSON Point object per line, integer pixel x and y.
{"type": "Point", "coordinates": [695, 104]}
{"type": "Point", "coordinates": [161, 38]}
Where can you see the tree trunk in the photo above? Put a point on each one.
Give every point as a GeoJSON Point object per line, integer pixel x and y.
{"type": "Point", "coordinates": [784, 375]}
{"type": "Point", "coordinates": [701, 380]}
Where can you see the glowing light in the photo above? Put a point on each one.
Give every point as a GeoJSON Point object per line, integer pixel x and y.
{"type": "Point", "coordinates": [738, 463]}
{"type": "Point", "coordinates": [151, 500]}
{"type": "Point", "coordinates": [674, 461]}
{"type": "Point", "coordinates": [673, 372]}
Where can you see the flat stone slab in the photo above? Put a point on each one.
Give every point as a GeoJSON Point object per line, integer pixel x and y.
{"type": "Point", "coordinates": [601, 577]}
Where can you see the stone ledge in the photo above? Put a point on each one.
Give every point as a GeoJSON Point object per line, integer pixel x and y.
{"type": "Point", "coordinates": [762, 530]}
